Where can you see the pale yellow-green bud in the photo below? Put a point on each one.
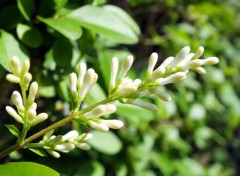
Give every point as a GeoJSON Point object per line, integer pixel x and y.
{"type": "Point", "coordinates": [39, 118]}
{"type": "Point", "coordinates": [27, 78]}
{"type": "Point", "coordinates": [171, 79]}
{"type": "Point", "coordinates": [83, 146]}
{"type": "Point", "coordinates": [14, 114]}
{"type": "Point", "coordinates": [125, 67]}
{"type": "Point", "coordinates": [198, 53]}
{"type": "Point", "coordinates": [200, 70]}
{"type": "Point", "coordinates": [53, 153]}
{"type": "Point", "coordinates": [152, 62]}
{"type": "Point", "coordinates": [15, 66]}
{"type": "Point", "coordinates": [180, 56]}
{"type": "Point", "coordinates": [17, 100]}
{"type": "Point", "coordinates": [142, 104]}
{"type": "Point", "coordinates": [65, 148]}
{"type": "Point", "coordinates": [81, 73]}
{"type": "Point", "coordinates": [98, 126]}
{"type": "Point", "coordinates": [12, 78]}
{"type": "Point", "coordinates": [48, 135]}
{"type": "Point", "coordinates": [25, 67]}
{"type": "Point", "coordinates": [114, 124]}
{"type": "Point", "coordinates": [32, 92]}
{"type": "Point", "coordinates": [71, 135]}
{"type": "Point", "coordinates": [114, 71]}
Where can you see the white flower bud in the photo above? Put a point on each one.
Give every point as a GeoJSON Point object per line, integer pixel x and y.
{"type": "Point", "coordinates": [96, 112]}
{"type": "Point", "coordinates": [73, 82]}
{"type": "Point", "coordinates": [89, 80]}
{"type": "Point", "coordinates": [39, 118]}
{"type": "Point", "coordinates": [25, 66]}
{"type": "Point", "coordinates": [210, 61]}
{"type": "Point", "coordinates": [125, 67]}
{"type": "Point", "coordinates": [198, 53]}
{"type": "Point", "coordinates": [27, 78]}
{"type": "Point", "coordinates": [192, 64]}
{"type": "Point", "coordinates": [47, 135]}
{"type": "Point", "coordinates": [67, 147]}
{"type": "Point", "coordinates": [32, 92]}
{"type": "Point", "coordinates": [17, 100]}
{"type": "Point", "coordinates": [14, 114]}
{"type": "Point", "coordinates": [162, 95]}
{"type": "Point", "coordinates": [152, 62]}
{"type": "Point", "coordinates": [114, 70]}
{"type": "Point", "coordinates": [53, 153]}
{"type": "Point", "coordinates": [157, 73]}
{"type": "Point", "coordinates": [54, 140]}
{"type": "Point", "coordinates": [200, 70]}
{"type": "Point", "coordinates": [110, 108]}
{"type": "Point", "coordinates": [97, 126]}
{"type": "Point", "coordinates": [88, 136]}
{"type": "Point", "coordinates": [31, 115]}
{"type": "Point", "coordinates": [83, 146]}
{"type": "Point", "coordinates": [172, 78]}
{"type": "Point", "coordinates": [180, 56]}
{"type": "Point", "coordinates": [71, 135]}
{"type": "Point", "coordinates": [81, 73]}
{"type": "Point", "coordinates": [15, 65]}
{"type": "Point", "coordinates": [114, 124]}
{"type": "Point", "coordinates": [145, 105]}
{"type": "Point", "coordinates": [167, 61]}
{"type": "Point", "coordinates": [12, 78]}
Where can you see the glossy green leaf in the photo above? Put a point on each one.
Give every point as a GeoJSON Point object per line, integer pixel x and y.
{"type": "Point", "coordinates": [13, 129]}
{"type": "Point", "coordinates": [9, 47]}
{"type": "Point", "coordinates": [66, 26]}
{"type": "Point", "coordinates": [96, 94]}
{"type": "Point", "coordinates": [26, 8]}
{"type": "Point", "coordinates": [122, 15]}
{"type": "Point", "coordinates": [26, 169]}
{"type": "Point", "coordinates": [107, 143]}
{"type": "Point", "coordinates": [106, 23]}
{"type": "Point", "coordinates": [13, 17]}
{"type": "Point", "coordinates": [29, 35]}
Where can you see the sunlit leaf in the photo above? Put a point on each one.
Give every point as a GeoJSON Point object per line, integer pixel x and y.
{"type": "Point", "coordinates": [26, 169]}
{"type": "Point", "coordinates": [10, 47]}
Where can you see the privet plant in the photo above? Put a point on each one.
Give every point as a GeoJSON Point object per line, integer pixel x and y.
{"type": "Point", "coordinates": [122, 89]}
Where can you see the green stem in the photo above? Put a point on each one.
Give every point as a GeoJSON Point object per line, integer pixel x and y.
{"type": "Point", "coordinates": [37, 135]}
{"type": "Point", "coordinates": [23, 134]}
{"type": "Point", "coordinates": [49, 128]}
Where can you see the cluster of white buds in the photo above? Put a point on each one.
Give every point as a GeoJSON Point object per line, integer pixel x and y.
{"type": "Point", "coordinates": [26, 107]}
{"type": "Point", "coordinates": [119, 84]}
{"type": "Point", "coordinates": [64, 143]}
{"type": "Point", "coordinates": [172, 70]}
{"type": "Point", "coordinates": [92, 118]}
{"type": "Point", "coordinates": [82, 83]}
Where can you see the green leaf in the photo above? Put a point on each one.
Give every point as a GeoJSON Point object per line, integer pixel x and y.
{"type": "Point", "coordinates": [29, 35]}
{"type": "Point", "coordinates": [10, 47]}
{"type": "Point", "coordinates": [13, 17]}
{"type": "Point", "coordinates": [107, 143]}
{"type": "Point", "coordinates": [96, 94]}
{"type": "Point", "coordinates": [122, 15]}
{"type": "Point", "coordinates": [26, 169]}
{"type": "Point", "coordinates": [39, 151]}
{"type": "Point", "coordinates": [104, 22]}
{"type": "Point", "coordinates": [26, 8]}
{"type": "Point", "coordinates": [13, 129]}
{"type": "Point", "coordinates": [66, 26]}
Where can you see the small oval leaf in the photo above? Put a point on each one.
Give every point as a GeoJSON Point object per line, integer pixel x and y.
{"type": "Point", "coordinates": [107, 143]}
{"type": "Point", "coordinates": [103, 21]}
{"type": "Point", "coordinates": [26, 169]}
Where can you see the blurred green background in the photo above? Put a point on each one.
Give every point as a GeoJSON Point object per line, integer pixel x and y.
{"type": "Point", "coordinates": [196, 134]}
